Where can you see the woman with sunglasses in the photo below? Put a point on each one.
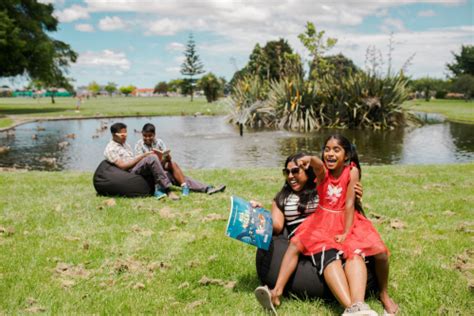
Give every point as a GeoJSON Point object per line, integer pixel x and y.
{"type": "Point", "coordinates": [296, 200]}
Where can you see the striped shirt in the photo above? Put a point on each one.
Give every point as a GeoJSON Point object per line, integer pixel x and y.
{"type": "Point", "coordinates": [141, 147]}
{"type": "Point", "coordinates": [292, 216]}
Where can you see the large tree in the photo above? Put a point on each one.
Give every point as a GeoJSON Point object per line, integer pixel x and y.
{"type": "Point", "coordinates": [464, 62]}
{"type": "Point", "coordinates": [26, 47]}
{"type": "Point", "coordinates": [192, 65]}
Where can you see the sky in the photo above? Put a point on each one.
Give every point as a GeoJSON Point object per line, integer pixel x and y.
{"type": "Point", "coordinates": [142, 42]}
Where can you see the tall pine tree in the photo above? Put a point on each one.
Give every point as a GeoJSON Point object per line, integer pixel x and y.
{"type": "Point", "coordinates": [192, 65]}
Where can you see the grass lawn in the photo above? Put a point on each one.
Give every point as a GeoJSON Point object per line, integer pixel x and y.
{"type": "Point", "coordinates": [64, 250]}
{"type": "Point", "coordinates": [21, 109]}
{"type": "Point", "coordinates": [454, 110]}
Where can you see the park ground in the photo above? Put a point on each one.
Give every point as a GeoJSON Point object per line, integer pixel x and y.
{"type": "Point", "coordinates": [17, 110]}
{"type": "Point", "coordinates": [64, 250]}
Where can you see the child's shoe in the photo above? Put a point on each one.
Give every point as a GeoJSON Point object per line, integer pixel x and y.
{"type": "Point", "coordinates": [211, 190]}
{"type": "Point", "coordinates": [185, 189]}
{"type": "Point", "coordinates": [159, 194]}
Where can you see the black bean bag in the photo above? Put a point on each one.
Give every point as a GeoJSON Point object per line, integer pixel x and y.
{"type": "Point", "coordinates": [111, 180]}
{"type": "Point", "coordinates": [306, 281]}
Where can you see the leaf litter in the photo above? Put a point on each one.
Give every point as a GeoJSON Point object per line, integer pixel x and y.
{"type": "Point", "coordinates": [208, 281]}
{"type": "Point", "coordinates": [465, 264]}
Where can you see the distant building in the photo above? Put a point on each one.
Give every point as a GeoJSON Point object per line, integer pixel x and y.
{"type": "Point", "coordinates": [144, 92]}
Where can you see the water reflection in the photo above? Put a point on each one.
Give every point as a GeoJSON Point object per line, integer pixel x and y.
{"type": "Point", "coordinates": [209, 142]}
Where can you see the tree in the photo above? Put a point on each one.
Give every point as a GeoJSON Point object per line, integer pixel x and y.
{"type": "Point", "coordinates": [464, 84]}
{"type": "Point", "coordinates": [463, 63]}
{"type": "Point", "coordinates": [339, 65]}
{"type": "Point", "coordinates": [94, 88]}
{"type": "Point", "coordinates": [111, 87]}
{"type": "Point", "coordinates": [161, 88]}
{"type": "Point", "coordinates": [317, 47]}
{"type": "Point", "coordinates": [429, 86]}
{"type": "Point", "coordinates": [212, 87]}
{"type": "Point", "coordinates": [174, 85]}
{"type": "Point", "coordinates": [191, 66]}
{"type": "Point", "coordinates": [26, 47]}
{"type": "Point", "coordinates": [127, 89]}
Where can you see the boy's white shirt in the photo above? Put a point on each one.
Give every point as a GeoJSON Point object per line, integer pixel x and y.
{"type": "Point", "coordinates": [141, 147]}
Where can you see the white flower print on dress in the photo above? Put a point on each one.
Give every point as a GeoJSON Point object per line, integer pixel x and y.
{"type": "Point", "coordinates": [333, 193]}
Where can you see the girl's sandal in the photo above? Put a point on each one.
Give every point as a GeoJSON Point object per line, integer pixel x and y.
{"type": "Point", "coordinates": [264, 297]}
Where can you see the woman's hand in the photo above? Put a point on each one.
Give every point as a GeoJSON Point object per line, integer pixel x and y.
{"type": "Point", "coordinates": [255, 204]}
{"type": "Point", "coordinates": [340, 238]}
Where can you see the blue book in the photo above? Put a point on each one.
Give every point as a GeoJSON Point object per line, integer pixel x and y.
{"type": "Point", "coordinates": [250, 225]}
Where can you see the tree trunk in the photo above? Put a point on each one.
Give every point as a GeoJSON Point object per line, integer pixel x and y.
{"type": "Point", "coordinates": [52, 98]}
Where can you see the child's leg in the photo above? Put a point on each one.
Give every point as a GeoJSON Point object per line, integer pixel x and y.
{"type": "Point", "coordinates": [288, 266]}
{"type": "Point", "coordinates": [356, 274]}
{"type": "Point", "coordinates": [177, 172]}
{"type": "Point", "coordinates": [382, 270]}
{"type": "Point", "coordinates": [336, 279]}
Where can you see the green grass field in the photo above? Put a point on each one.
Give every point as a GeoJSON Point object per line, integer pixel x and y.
{"type": "Point", "coordinates": [64, 250]}
{"type": "Point", "coordinates": [454, 110]}
{"type": "Point", "coordinates": [22, 109]}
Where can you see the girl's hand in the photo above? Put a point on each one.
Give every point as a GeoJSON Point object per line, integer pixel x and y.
{"type": "Point", "coordinates": [255, 204]}
{"type": "Point", "coordinates": [340, 238]}
{"type": "Point", "coordinates": [304, 162]}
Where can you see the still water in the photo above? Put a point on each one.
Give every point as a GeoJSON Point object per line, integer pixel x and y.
{"type": "Point", "coordinates": [210, 142]}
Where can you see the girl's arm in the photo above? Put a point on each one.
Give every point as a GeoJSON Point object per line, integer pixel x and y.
{"type": "Point", "coordinates": [278, 218]}
{"type": "Point", "coordinates": [349, 211]}
{"type": "Point", "coordinates": [315, 163]}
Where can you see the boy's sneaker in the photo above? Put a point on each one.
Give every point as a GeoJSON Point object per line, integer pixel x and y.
{"type": "Point", "coordinates": [159, 194]}
{"type": "Point", "coordinates": [211, 190]}
{"type": "Point", "coordinates": [185, 190]}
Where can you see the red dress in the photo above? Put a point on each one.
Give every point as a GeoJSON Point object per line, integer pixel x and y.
{"type": "Point", "coordinates": [317, 233]}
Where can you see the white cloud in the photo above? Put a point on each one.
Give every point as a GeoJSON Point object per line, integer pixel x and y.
{"type": "Point", "coordinates": [106, 58]}
{"type": "Point", "coordinates": [426, 13]}
{"type": "Point", "coordinates": [72, 14]}
{"type": "Point", "coordinates": [392, 25]}
{"type": "Point", "coordinates": [174, 46]}
{"type": "Point", "coordinates": [84, 27]}
{"type": "Point", "coordinates": [173, 70]}
{"type": "Point", "coordinates": [111, 23]}
{"type": "Point", "coordinates": [432, 48]}
{"type": "Point", "coordinates": [165, 27]}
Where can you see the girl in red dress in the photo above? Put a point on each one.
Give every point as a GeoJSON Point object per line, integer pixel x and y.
{"type": "Point", "coordinates": [336, 230]}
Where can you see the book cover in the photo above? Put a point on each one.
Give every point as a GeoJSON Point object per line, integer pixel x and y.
{"type": "Point", "coordinates": [250, 225]}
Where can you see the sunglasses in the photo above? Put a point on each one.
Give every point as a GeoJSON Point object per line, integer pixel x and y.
{"type": "Point", "coordinates": [121, 134]}
{"type": "Point", "coordinates": [293, 171]}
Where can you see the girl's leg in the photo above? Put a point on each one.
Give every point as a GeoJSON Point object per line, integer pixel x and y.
{"type": "Point", "coordinates": [288, 266]}
{"type": "Point", "coordinates": [381, 270]}
{"type": "Point", "coordinates": [336, 279]}
{"type": "Point", "coordinates": [356, 274]}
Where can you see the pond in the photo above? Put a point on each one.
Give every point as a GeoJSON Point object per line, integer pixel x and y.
{"type": "Point", "coordinates": [209, 142]}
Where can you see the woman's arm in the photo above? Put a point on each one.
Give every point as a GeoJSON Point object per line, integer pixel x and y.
{"type": "Point", "coordinates": [278, 219]}
{"type": "Point", "coordinates": [350, 200]}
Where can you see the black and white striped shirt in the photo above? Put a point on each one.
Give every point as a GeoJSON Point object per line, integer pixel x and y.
{"type": "Point", "coordinates": [292, 216]}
